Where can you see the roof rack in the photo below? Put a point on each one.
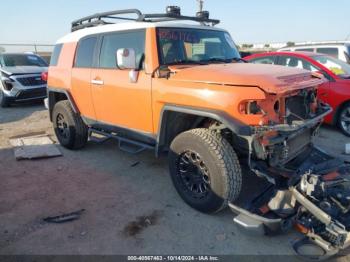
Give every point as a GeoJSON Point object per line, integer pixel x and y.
{"type": "Point", "coordinates": [172, 14]}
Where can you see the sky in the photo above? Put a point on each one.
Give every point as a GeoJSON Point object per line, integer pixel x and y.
{"type": "Point", "coordinates": [248, 21]}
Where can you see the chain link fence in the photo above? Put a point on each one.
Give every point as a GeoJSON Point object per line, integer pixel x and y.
{"type": "Point", "coordinates": [44, 50]}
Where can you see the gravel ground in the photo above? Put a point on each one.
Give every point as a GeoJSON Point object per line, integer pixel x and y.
{"type": "Point", "coordinates": [130, 204]}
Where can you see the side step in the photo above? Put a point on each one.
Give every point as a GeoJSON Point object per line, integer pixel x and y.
{"type": "Point", "coordinates": [124, 144]}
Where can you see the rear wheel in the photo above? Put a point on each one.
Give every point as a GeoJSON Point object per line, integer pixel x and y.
{"type": "Point", "coordinates": [4, 101]}
{"type": "Point", "coordinates": [205, 170]}
{"type": "Point", "coordinates": [69, 128]}
{"type": "Point", "coordinates": [344, 119]}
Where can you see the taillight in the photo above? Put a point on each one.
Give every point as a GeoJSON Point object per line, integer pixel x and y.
{"type": "Point", "coordinates": [44, 76]}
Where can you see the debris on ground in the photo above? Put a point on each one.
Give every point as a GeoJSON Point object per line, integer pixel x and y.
{"type": "Point", "coordinates": [347, 149]}
{"type": "Point", "coordinates": [142, 222]}
{"type": "Point", "coordinates": [34, 147]}
{"type": "Point", "coordinates": [65, 217]}
{"type": "Point", "coordinates": [135, 164]}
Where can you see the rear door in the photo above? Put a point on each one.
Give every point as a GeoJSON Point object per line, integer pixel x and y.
{"type": "Point", "coordinates": [81, 76]}
{"type": "Point", "coordinates": [117, 100]}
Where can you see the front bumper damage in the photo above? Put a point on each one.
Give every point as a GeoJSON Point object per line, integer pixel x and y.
{"type": "Point", "coordinates": [314, 199]}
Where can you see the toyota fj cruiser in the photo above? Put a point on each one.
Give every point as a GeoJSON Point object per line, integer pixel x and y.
{"type": "Point", "coordinates": [182, 89]}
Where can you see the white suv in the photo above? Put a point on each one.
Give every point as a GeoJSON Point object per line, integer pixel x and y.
{"type": "Point", "coordinates": [340, 50]}
{"type": "Point", "coordinates": [20, 78]}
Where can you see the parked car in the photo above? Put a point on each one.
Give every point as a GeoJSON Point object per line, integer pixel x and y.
{"type": "Point", "coordinates": [335, 92]}
{"type": "Point", "coordinates": [21, 80]}
{"type": "Point", "coordinates": [183, 90]}
{"type": "Point", "coordinates": [340, 50]}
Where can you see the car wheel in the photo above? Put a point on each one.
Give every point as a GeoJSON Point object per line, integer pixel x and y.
{"type": "Point", "coordinates": [69, 128]}
{"type": "Point", "coordinates": [4, 101]}
{"type": "Point", "coordinates": [205, 170]}
{"type": "Point", "coordinates": [344, 119]}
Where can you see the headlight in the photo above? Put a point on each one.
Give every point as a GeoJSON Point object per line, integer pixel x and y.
{"type": "Point", "coordinates": [250, 108]}
{"type": "Point", "coordinates": [7, 82]}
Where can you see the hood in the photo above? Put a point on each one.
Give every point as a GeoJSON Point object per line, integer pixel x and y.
{"type": "Point", "coordinates": [20, 70]}
{"type": "Point", "coordinates": [271, 78]}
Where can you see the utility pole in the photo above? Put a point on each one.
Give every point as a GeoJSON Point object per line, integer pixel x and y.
{"type": "Point", "coordinates": [200, 2]}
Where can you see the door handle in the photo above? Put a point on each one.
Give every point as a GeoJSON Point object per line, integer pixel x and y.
{"type": "Point", "coordinates": [97, 82]}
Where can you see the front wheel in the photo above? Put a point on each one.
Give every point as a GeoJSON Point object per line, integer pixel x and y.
{"type": "Point", "coordinates": [344, 119]}
{"type": "Point", "coordinates": [205, 170]}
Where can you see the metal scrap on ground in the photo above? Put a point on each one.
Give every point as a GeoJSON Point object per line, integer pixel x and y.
{"type": "Point", "coordinates": [34, 147]}
{"type": "Point", "coordinates": [65, 217]}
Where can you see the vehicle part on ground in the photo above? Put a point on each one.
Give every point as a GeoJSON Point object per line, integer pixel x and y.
{"type": "Point", "coordinates": [205, 170]}
{"type": "Point", "coordinates": [316, 201]}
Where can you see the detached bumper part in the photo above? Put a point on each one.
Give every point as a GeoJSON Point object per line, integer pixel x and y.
{"type": "Point", "coordinates": [315, 200]}
{"type": "Point", "coordinates": [255, 224]}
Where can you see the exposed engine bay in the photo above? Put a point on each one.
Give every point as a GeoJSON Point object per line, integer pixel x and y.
{"type": "Point", "coordinates": [308, 189]}
{"type": "Point", "coordinates": [315, 200]}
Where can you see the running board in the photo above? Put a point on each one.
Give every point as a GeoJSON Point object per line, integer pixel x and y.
{"type": "Point", "coordinates": [124, 144]}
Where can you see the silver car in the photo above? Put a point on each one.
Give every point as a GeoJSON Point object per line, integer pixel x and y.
{"type": "Point", "coordinates": [20, 76]}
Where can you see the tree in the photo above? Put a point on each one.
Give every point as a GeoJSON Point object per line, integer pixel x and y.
{"type": "Point", "coordinates": [290, 43]}
{"type": "Point", "coordinates": [2, 49]}
{"type": "Point", "coordinates": [247, 46]}
{"type": "Point", "coordinates": [267, 45]}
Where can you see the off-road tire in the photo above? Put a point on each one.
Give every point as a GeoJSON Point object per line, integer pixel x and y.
{"type": "Point", "coordinates": [4, 102]}
{"type": "Point", "coordinates": [221, 161]}
{"type": "Point", "coordinates": [77, 132]}
{"type": "Point", "coordinates": [344, 109]}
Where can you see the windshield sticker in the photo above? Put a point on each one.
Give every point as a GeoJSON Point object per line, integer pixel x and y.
{"type": "Point", "coordinates": [229, 40]}
{"type": "Point", "coordinates": [198, 49]}
{"type": "Point", "coordinates": [178, 36]}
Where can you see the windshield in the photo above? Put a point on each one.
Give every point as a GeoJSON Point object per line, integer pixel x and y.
{"type": "Point", "coordinates": [337, 66]}
{"type": "Point", "coordinates": [22, 60]}
{"type": "Point", "coordinates": [182, 45]}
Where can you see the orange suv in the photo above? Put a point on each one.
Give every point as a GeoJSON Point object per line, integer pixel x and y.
{"type": "Point", "coordinates": [183, 90]}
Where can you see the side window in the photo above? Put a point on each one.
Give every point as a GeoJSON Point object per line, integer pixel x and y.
{"type": "Point", "coordinates": [85, 53]}
{"type": "Point", "coordinates": [112, 42]}
{"type": "Point", "coordinates": [264, 60]}
{"type": "Point", "coordinates": [304, 49]}
{"type": "Point", "coordinates": [291, 61]}
{"type": "Point", "coordinates": [332, 51]}
{"type": "Point", "coordinates": [56, 54]}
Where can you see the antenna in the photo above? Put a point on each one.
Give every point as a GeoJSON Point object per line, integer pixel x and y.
{"type": "Point", "coordinates": [200, 3]}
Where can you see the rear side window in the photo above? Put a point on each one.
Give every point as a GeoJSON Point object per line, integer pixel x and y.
{"type": "Point", "coordinates": [85, 52]}
{"type": "Point", "coordinates": [264, 60]}
{"type": "Point", "coordinates": [332, 51]}
{"type": "Point", "coordinates": [112, 42]}
{"type": "Point", "coordinates": [304, 49]}
{"type": "Point", "coordinates": [56, 54]}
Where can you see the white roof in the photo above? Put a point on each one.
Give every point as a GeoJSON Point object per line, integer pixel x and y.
{"type": "Point", "coordinates": [77, 35]}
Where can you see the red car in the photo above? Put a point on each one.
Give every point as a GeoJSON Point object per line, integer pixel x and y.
{"type": "Point", "coordinates": [335, 92]}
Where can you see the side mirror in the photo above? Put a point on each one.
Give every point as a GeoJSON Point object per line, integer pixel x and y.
{"type": "Point", "coordinates": [126, 58]}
